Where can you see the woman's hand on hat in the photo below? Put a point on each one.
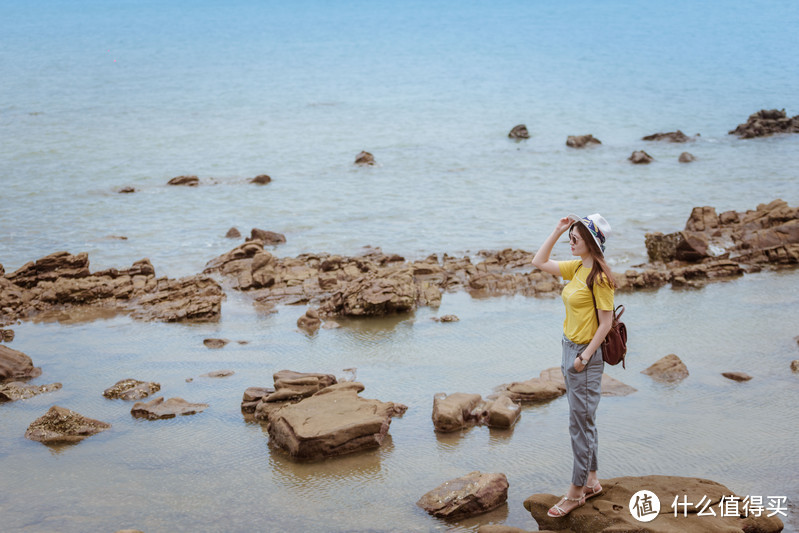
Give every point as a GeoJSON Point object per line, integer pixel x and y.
{"type": "Point", "coordinates": [563, 224]}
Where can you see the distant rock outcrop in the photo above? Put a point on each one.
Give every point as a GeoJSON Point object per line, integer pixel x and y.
{"type": "Point", "coordinates": [581, 141]}
{"type": "Point", "coordinates": [640, 157]}
{"type": "Point", "coordinates": [187, 181]}
{"type": "Point", "coordinates": [765, 123]}
{"type": "Point", "coordinates": [365, 159]}
{"type": "Point", "coordinates": [672, 137]}
{"type": "Point", "coordinates": [519, 132]}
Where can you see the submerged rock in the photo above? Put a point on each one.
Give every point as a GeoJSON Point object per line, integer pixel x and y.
{"type": "Point", "coordinates": [610, 385]}
{"type": "Point", "coordinates": [261, 179]}
{"type": "Point", "coordinates": [470, 495]}
{"type": "Point", "coordinates": [672, 137]}
{"type": "Point", "coordinates": [60, 425]}
{"type": "Point", "coordinates": [131, 389]}
{"type": "Point", "coordinates": [446, 318]}
{"type": "Point", "coordinates": [332, 422]}
{"type": "Point", "coordinates": [188, 181]}
{"type": "Point", "coordinates": [215, 344]}
{"type": "Point", "coordinates": [737, 376]}
{"type": "Point", "coordinates": [6, 335]}
{"type": "Point", "coordinates": [765, 123]}
{"type": "Point", "coordinates": [581, 141]}
{"type": "Point", "coordinates": [640, 157]}
{"type": "Point", "coordinates": [233, 233]}
{"type": "Point", "coordinates": [686, 157]}
{"type": "Point", "coordinates": [668, 369]}
{"type": "Point", "coordinates": [610, 510]}
{"type": "Point", "coordinates": [519, 132]}
{"type": "Point", "coordinates": [159, 409]}
{"type": "Point", "coordinates": [310, 321]}
{"type": "Point", "coordinates": [795, 365]}
{"type": "Point", "coordinates": [365, 158]}
{"type": "Point", "coordinates": [15, 365]}
{"type": "Point", "coordinates": [11, 392]}
{"type": "Point", "coordinates": [127, 190]}
{"type": "Point", "coordinates": [218, 374]}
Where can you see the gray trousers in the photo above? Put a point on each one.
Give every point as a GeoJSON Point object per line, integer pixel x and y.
{"type": "Point", "coordinates": [583, 389]}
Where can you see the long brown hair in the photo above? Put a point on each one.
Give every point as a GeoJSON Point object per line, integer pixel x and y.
{"type": "Point", "coordinates": [600, 270]}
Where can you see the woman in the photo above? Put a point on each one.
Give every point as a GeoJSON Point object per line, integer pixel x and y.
{"type": "Point", "coordinates": [582, 364]}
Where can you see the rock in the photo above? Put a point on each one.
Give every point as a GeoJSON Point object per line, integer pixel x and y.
{"type": "Point", "coordinates": [11, 392]}
{"type": "Point", "coordinates": [737, 376]}
{"type": "Point", "coordinates": [364, 158]}
{"type": "Point", "coordinates": [233, 233]}
{"type": "Point", "coordinates": [50, 268]}
{"type": "Point", "coordinates": [6, 335]}
{"type": "Point", "coordinates": [188, 181]}
{"type": "Point", "coordinates": [252, 396]}
{"type": "Point", "coordinates": [661, 247]}
{"type": "Point", "coordinates": [269, 238]}
{"type": "Point", "coordinates": [131, 389]}
{"type": "Point", "coordinates": [503, 412]}
{"type": "Point", "coordinates": [795, 365]}
{"type": "Point", "coordinates": [519, 132]}
{"type": "Point", "coordinates": [457, 411]}
{"type": "Point", "coordinates": [672, 136]}
{"type": "Point", "coordinates": [127, 190]}
{"type": "Point", "coordinates": [581, 141]}
{"type": "Point", "coordinates": [159, 409]}
{"type": "Point", "coordinates": [375, 295]}
{"type": "Point", "coordinates": [692, 246]}
{"type": "Point", "coordinates": [309, 322]}
{"type": "Point", "coordinates": [686, 157]}
{"type": "Point", "coordinates": [668, 369]}
{"type": "Point", "coordinates": [501, 528]}
{"type": "Point", "coordinates": [261, 179]}
{"type": "Point", "coordinates": [218, 374]}
{"type": "Point", "coordinates": [640, 157]}
{"type": "Point", "coordinates": [60, 425]}
{"type": "Point", "coordinates": [470, 495]}
{"type": "Point", "coordinates": [765, 123]}
{"type": "Point", "coordinates": [194, 298]}
{"type": "Point", "coordinates": [332, 422]}
{"type": "Point", "coordinates": [534, 390]}
{"type": "Point", "coordinates": [215, 344]}
{"type": "Point", "coordinates": [610, 385]}
{"type": "Point", "coordinates": [446, 318]}
{"type": "Point", "coordinates": [15, 365]}
{"type": "Point", "coordinates": [294, 386]}
{"type": "Point", "coordinates": [702, 219]}
{"type": "Point", "coordinates": [609, 511]}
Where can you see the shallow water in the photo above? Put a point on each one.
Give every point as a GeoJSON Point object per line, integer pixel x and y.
{"type": "Point", "coordinates": [98, 96]}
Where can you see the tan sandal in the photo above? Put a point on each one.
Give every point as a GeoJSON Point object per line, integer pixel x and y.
{"type": "Point", "coordinates": [594, 491]}
{"type": "Point", "coordinates": [559, 512]}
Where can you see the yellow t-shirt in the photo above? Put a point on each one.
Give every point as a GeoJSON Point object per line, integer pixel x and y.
{"type": "Point", "coordinates": [580, 323]}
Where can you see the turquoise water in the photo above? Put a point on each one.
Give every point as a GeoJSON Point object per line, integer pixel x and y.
{"type": "Point", "coordinates": [97, 96]}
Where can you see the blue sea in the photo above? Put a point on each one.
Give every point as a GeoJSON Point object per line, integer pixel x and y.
{"type": "Point", "coordinates": [97, 96]}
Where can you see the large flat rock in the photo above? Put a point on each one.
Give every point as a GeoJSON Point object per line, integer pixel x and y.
{"type": "Point", "coordinates": [472, 494]}
{"type": "Point", "coordinates": [334, 421]}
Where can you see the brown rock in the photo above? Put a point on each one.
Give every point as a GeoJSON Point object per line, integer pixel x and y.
{"type": "Point", "coordinates": [609, 511]}
{"type": "Point", "coordinates": [765, 123]}
{"type": "Point", "coordinates": [269, 238]}
{"type": "Point", "coordinates": [309, 322]}
{"type": "Point", "coordinates": [470, 495]}
{"type": "Point", "coordinates": [702, 219]}
{"type": "Point", "coordinates": [218, 374]}
{"type": "Point", "coordinates": [188, 181]}
{"type": "Point", "coordinates": [457, 411]}
{"type": "Point", "coordinates": [11, 392]}
{"type": "Point", "coordinates": [215, 344]}
{"type": "Point", "coordinates": [15, 365]}
{"type": "Point", "coordinates": [252, 396]}
{"type": "Point", "coordinates": [233, 233]}
{"type": "Point", "coordinates": [668, 369]}
{"type": "Point", "coordinates": [50, 268]}
{"type": "Point", "coordinates": [503, 412]}
{"type": "Point", "coordinates": [194, 298]}
{"type": "Point", "coordinates": [534, 390]}
{"type": "Point", "coordinates": [131, 389]}
{"type": "Point", "coordinates": [261, 179]}
{"type": "Point", "coordinates": [795, 365]}
{"type": "Point", "coordinates": [519, 132]}
{"type": "Point", "coordinates": [364, 158]}
{"type": "Point", "coordinates": [672, 136]}
{"type": "Point", "coordinates": [62, 425]}
{"type": "Point", "coordinates": [686, 157]}
{"type": "Point", "coordinates": [329, 424]}
{"type": "Point", "coordinates": [127, 190]}
{"type": "Point", "coordinates": [610, 385]}
{"type": "Point", "coordinates": [446, 318]}
{"type": "Point", "coordinates": [692, 246]}
{"type": "Point", "coordinates": [502, 528]}
{"type": "Point", "coordinates": [640, 158]}
{"type": "Point", "coordinates": [159, 409]}
{"type": "Point", "coordinates": [581, 141]}
{"type": "Point", "coordinates": [737, 376]}
{"type": "Point", "coordinates": [374, 295]}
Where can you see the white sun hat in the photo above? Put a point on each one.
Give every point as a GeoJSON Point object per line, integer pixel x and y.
{"type": "Point", "coordinates": [597, 226]}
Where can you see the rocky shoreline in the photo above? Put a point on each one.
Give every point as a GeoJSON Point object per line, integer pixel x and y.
{"type": "Point", "coordinates": [711, 247]}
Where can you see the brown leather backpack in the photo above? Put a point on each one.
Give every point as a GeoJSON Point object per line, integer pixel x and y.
{"type": "Point", "coordinates": [614, 347]}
